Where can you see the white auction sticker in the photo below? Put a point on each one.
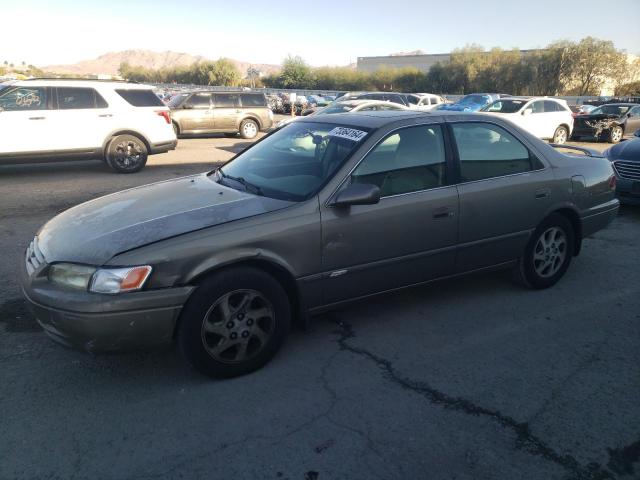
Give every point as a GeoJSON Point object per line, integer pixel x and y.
{"type": "Point", "coordinates": [348, 133]}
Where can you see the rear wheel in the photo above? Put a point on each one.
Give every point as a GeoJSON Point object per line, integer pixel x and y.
{"type": "Point", "coordinates": [548, 253]}
{"type": "Point", "coordinates": [234, 323]}
{"type": "Point", "coordinates": [615, 134]}
{"type": "Point", "coordinates": [248, 129]}
{"type": "Point", "coordinates": [560, 136]}
{"type": "Point", "coordinates": [126, 154]}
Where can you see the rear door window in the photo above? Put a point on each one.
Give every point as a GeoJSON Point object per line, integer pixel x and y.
{"type": "Point", "coordinates": [24, 98]}
{"type": "Point", "coordinates": [72, 98]}
{"type": "Point", "coordinates": [487, 151]}
{"type": "Point", "coordinates": [227, 100]}
{"type": "Point", "coordinates": [140, 98]}
{"type": "Point", "coordinates": [253, 100]}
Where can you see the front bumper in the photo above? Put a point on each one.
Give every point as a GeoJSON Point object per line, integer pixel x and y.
{"type": "Point", "coordinates": [628, 191]}
{"type": "Point", "coordinates": [102, 323]}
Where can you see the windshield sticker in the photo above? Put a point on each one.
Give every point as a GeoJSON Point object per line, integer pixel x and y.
{"type": "Point", "coordinates": [348, 133]}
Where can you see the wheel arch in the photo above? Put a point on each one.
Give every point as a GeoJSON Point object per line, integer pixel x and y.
{"type": "Point", "coordinates": [250, 117]}
{"type": "Point", "coordinates": [573, 217]}
{"type": "Point", "coordinates": [280, 273]}
{"type": "Point", "coordinates": [134, 133]}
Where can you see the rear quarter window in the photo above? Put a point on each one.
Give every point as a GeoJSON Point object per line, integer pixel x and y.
{"type": "Point", "coordinates": [253, 100]}
{"type": "Point", "coordinates": [140, 98]}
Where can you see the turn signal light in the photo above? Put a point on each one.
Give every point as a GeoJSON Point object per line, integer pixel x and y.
{"type": "Point", "coordinates": [612, 182]}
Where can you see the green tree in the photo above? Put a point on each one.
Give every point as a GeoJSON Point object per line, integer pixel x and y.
{"type": "Point", "coordinates": [592, 62]}
{"type": "Point", "coordinates": [224, 72]}
{"type": "Point", "coordinates": [296, 73]}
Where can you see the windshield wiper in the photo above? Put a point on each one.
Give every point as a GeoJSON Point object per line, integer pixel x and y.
{"type": "Point", "coordinates": [248, 186]}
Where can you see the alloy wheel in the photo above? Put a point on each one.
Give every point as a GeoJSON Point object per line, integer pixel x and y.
{"type": "Point", "coordinates": [550, 252]}
{"type": "Point", "coordinates": [238, 326]}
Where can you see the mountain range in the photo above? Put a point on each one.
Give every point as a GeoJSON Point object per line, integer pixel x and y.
{"type": "Point", "coordinates": [110, 62]}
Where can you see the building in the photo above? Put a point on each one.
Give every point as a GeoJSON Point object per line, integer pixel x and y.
{"type": "Point", "coordinates": [422, 62]}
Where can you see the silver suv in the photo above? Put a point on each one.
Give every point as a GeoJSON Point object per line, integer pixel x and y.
{"type": "Point", "coordinates": [231, 113]}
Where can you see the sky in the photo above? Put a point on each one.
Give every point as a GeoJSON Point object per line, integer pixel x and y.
{"type": "Point", "coordinates": [330, 32]}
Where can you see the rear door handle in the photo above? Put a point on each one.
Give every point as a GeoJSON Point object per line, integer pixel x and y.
{"type": "Point", "coordinates": [105, 115]}
{"type": "Point", "coordinates": [37, 118]}
{"type": "Point", "coordinates": [543, 193]}
{"type": "Point", "coordinates": [443, 213]}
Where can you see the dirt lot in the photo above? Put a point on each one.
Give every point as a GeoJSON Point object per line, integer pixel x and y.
{"type": "Point", "coordinates": [468, 379]}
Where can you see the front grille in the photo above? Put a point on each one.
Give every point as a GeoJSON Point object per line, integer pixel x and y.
{"type": "Point", "coordinates": [628, 170]}
{"type": "Point", "coordinates": [34, 257]}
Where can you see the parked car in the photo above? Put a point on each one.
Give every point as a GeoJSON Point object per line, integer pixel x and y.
{"type": "Point", "coordinates": [471, 103]}
{"type": "Point", "coordinates": [121, 123]}
{"type": "Point", "coordinates": [324, 211]}
{"type": "Point", "coordinates": [612, 122]}
{"type": "Point", "coordinates": [349, 106]}
{"type": "Point", "coordinates": [547, 118]}
{"type": "Point", "coordinates": [625, 157]}
{"type": "Point", "coordinates": [317, 101]}
{"type": "Point", "coordinates": [425, 101]}
{"type": "Point", "coordinates": [394, 97]}
{"type": "Point", "coordinates": [581, 109]}
{"type": "Point", "coordinates": [221, 112]}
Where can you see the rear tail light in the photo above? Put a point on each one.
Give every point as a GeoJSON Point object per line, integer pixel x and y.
{"type": "Point", "coordinates": [612, 182]}
{"type": "Point", "coordinates": [165, 114]}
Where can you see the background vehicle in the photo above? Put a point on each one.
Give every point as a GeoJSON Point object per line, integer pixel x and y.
{"type": "Point", "coordinates": [221, 112]}
{"type": "Point", "coordinates": [546, 118]}
{"type": "Point", "coordinates": [625, 157]}
{"type": "Point", "coordinates": [611, 121]}
{"type": "Point", "coordinates": [349, 106]}
{"type": "Point", "coordinates": [581, 109]}
{"type": "Point", "coordinates": [119, 122]}
{"type": "Point", "coordinates": [325, 211]}
{"type": "Point", "coordinates": [471, 103]}
{"type": "Point", "coordinates": [394, 97]}
{"type": "Point", "coordinates": [425, 101]}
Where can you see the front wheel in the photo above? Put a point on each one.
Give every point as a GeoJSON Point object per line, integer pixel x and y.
{"type": "Point", "coordinates": [234, 323]}
{"type": "Point", "coordinates": [126, 154]}
{"type": "Point", "coordinates": [560, 136]}
{"type": "Point", "coordinates": [548, 253]}
{"type": "Point", "coordinates": [615, 134]}
{"type": "Point", "coordinates": [248, 129]}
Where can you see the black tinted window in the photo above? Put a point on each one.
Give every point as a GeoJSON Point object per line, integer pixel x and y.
{"type": "Point", "coordinates": [409, 160]}
{"type": "Point", "coordinates": [551, 106]}
{"type": "Point", "coordinates": [226, 100]}
{"type": "Point", "coordinates": [487, 151]}
{"type": "Point", "coordinates": [200, 100]}
{"type": "Point", "coordinates": [253, 100]}
{"type": "Point", "coordinates": [140, 98]}
{"type": "Point", "coordinates": [24, 98]}
{"type": "Point", "coordinates": [396, 99]}
{"type": "Point", "coordinates": [75, 98]}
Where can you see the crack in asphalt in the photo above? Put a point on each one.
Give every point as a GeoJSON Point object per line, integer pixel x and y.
{"type": "Point", "coordinates": [525, 439]}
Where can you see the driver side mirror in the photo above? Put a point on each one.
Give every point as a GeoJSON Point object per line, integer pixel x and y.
{"type": "Point", "coordinates": [358, 194]}
{"type": "Point", "coordinates": [527, 111]}
{"type": "Point", "coordinates": [187, 106]}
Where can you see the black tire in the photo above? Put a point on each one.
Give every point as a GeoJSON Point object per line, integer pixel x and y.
{"type": "Point", "coordinates": [196, 344]}
{"type": "Point", "coordinates": [249, 129]}
{"type": "Point", "coordinates": [561, 135]}
{"type": "Point", "coordinates": [126, 154]}
{"type": "Point", "coordinates": [615, 134]}
{"type": "Point", "coordinates": [530, 265]}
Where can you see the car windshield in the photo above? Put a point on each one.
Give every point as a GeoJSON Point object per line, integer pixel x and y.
{"type": "Point", "coordinates": [505, 106]}
{"type": "Point", "coordinates": [294, 162]}
{"type": "Point", "coordinates": [474, 100]}
{"type": "Point", "coordinates": [610, 110]}
{"type": "Point", "coordinates": [338, 108]}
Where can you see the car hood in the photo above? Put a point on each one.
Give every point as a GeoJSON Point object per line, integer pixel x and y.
{"type": "Point", "coordinates": [629, 150]}
{"type": "Point", "coordinates": [95, 231]}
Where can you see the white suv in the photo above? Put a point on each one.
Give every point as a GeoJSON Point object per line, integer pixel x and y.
{"type": "Point", "coordinates": [119, 122]}
{"type": "Point", "coordinates": [547, 118]}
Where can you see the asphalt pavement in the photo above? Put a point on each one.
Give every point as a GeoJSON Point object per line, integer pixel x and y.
{"type": "Point", "coordinates": [474, 378]}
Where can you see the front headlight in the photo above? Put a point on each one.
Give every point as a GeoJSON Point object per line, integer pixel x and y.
{"type": "Point", "coordinates": [117, 280]}
{"type": "Point", "coordinates": [71, 275]}
{"type": "Point", "coordinates": [99, 280]}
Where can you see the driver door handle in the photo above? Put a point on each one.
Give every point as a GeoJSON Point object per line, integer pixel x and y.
{"type": "Point", "coordinates": [443, 212]}
{"type": "Point", "coordinates": [37, 118]}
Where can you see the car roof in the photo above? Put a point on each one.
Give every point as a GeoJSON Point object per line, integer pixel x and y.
{"type": "Point", "coordinates": [622, 104]}
{"type": "Point", "coordinates": [81, 83]}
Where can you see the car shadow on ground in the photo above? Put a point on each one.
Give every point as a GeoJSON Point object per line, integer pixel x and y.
{"type": "Point", "coordinates": [236, 148]}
